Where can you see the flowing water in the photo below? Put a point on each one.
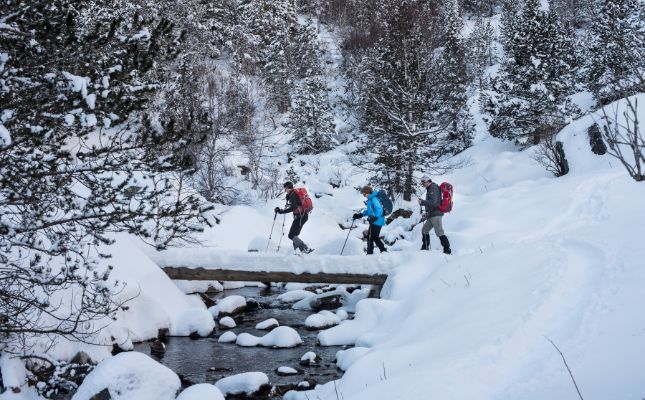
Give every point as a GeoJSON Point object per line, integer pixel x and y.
{"type": "Point", "coordinates": [204, 360]}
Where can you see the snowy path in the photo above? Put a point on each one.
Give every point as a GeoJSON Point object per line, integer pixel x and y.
{"type": "Point", "coordinates": [212, 258]}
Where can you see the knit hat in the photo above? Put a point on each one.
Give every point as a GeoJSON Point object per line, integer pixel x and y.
{"type": "Point", "coordinates": [426, 178]}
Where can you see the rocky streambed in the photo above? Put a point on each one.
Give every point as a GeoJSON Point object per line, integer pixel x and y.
{"type": "Point", "coordinates": [207, 360]}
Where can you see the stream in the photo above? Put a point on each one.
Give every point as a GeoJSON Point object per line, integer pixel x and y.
{"type": "Point", "coordinates": [205, 360]}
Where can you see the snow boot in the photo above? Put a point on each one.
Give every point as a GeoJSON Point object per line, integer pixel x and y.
{"type": "Point", "coordinates": [446, 244]}
{"type": "Point", "coordinates": [425, 242]}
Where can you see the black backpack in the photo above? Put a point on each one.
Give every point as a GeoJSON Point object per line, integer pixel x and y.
{"type": "Point", "coordinates": [385, 201]}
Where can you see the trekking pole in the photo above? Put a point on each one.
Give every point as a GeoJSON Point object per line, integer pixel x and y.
{"type": "Point", "coordinates": [283, 220]}
{"type": "Point", "coordinates": [350, 231]}
{"type": "Point", "coordinates": [271, 234]}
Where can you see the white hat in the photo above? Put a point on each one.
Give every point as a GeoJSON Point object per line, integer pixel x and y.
{"type": "Point", "coordinates": [425, 178]}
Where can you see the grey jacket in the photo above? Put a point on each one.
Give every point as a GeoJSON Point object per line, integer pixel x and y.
{"type": "Point", "coordinates": [432, 201]}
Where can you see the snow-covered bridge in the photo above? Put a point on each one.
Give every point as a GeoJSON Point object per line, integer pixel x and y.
{"type": "Point", "coordinates": [215, 264]}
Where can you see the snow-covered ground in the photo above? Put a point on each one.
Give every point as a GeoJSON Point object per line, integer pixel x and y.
{"type": "Point", "coordinates": [536, 259]}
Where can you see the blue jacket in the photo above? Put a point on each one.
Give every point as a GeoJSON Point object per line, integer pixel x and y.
{"type": "Point", "coordinates": [374, 209]}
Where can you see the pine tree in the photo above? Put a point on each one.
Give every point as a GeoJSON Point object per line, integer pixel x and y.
{"type": "Point", "coordinates": [284, 50]}
{"type": "Point", "coordinates": [452, 88]}
{"type": "Point", "coordinates": [528, 98]}
{"type": "Point", "coordinates": [617, 62]}
{"type": "Point", "coordinates": [82, 160]}
{"type": "Point", "coordinates": [406, 126]}
{"type": "Point", "coordinates": [480, 49]}
{"type": "Point", "coordinates": [311, 123]}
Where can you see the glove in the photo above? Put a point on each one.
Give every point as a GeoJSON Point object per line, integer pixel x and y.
{"type": "Point", "coordinates": [278, 210]}
{"type": "Point", "coordinates": [357, 216]}
{"type": "Point", "coordinates": [371, 219]}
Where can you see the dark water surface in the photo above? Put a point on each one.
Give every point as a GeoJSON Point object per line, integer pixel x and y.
{"type": "Point", "coordinates": [205, 360]}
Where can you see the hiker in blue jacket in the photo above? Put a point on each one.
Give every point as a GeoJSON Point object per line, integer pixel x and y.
{"type": "Point", "coordinates": [374, 214]}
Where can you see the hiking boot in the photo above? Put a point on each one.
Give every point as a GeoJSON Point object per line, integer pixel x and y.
{"type": "Point", "coordinates": [425, 242]}
{"type": "Point", "coordinates": [307, 250]}
{"type": "Point", "coordinates": [446, 244]}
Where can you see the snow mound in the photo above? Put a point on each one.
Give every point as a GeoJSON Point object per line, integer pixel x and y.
{"type": "Point", "coordinates": [267, 324]}
{"type": "Point", "coordinates": [202, 391]}
{"type": "Point", "coordinates": [295, 295]}
{"type": "Point", "coordinates": [309, 357]}
{"type": "Point", "coordinates": [324, 319]}
{"type": "Point", "coordinates": [246, 383]}
{"type": "Point", "coordinates": [228, 305]}
{"type": "Point", "coordinates": [286, 371]}
{"type": "Point", "coordinates": [190, 287]}
{"type": "Point", "coordinates": [227, 322]}
{"type": "Point", "coordinates": [258, 244]}
{"type": "Point", "coordinates": [280, 337]}
{"type": "Point", "coordinates": [130, 376]}
{"type": "Point", "coordinates": [345, 358]}
{"type": "Point", "coordinates": [13, 373]}
{"type": "Point", "coordinates": [194, 320]}
{"type": "Point", "coordinates": [227, 337]}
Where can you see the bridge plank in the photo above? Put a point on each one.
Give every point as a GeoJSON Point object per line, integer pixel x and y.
{"type": "Point", "coordinates": [186, 273]}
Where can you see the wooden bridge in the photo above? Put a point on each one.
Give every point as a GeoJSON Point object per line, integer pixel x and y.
{"type": "Point", "coordinates": [258, 267]}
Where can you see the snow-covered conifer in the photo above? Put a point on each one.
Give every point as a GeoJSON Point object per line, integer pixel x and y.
{"type": "Point", "coordinates": [529, 97]}
{"type": "Point", "coordinates": [311, 122]}
{"type": "Point", "coordinates": [617, 49]}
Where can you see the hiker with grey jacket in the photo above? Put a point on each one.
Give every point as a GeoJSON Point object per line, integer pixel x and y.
{"type": "Point", "coordinates": [434, 215]}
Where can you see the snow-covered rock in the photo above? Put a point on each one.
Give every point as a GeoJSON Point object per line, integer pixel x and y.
{"type": "Point", "coordinates": [228, 305]}
{"type": "Point", "coordinates": [189, 287]}
{"type": "Point", "coordinates": [322, 320]}
{"type": "Point", "coordinates": [227, 337]}
{"type": "Point", "coordinates": [227, 323]}
{"type": "Point", "coordinates": [130, 376]}
{"type": "Point", "coordinates": [295, 295]}
{"type": "Point", "coordinates": [202, 391]}
{"type": "Point", "coordinates": [310, 358]}
{"type": "Point", "coordinates": [268, 324]}
{"type": "Point", "coordinates": [194, 321]}
{"type": "Point", "coordinates": [287, 371]}
{"type": "Point", "coordinates": [282, 337]}
{"type": "Point", "coordinates": [248, 383]}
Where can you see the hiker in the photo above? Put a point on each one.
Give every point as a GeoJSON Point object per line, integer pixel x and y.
{"type": "Point", "coordinates": [300, 217]}
{"type": "Point", "coordinates": [434, 215]}
{"type": "Point", "coordinates": [374, 213]}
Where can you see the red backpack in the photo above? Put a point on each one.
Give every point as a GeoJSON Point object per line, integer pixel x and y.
{"type": "Point", "coordinates": [446, 197]}
{"type": "Point", "coordinates": [306, 205]}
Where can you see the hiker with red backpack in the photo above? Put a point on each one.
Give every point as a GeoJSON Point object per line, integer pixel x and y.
{"type": "Point", "coordinates": [438, 200]}
{"type": "Point", "coordinates": [298, 202]}
{"type": "Point", "coordinates": [375, 213]}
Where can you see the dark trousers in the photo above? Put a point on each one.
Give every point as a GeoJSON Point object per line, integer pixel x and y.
{"type": "Point", "coordinates": [373, 237]}
{"type": "Point", "coordinates": [296, 226]}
